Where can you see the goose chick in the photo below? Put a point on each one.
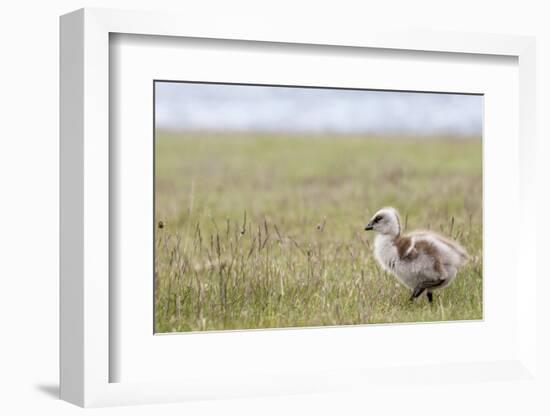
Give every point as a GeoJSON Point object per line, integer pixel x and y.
{"type": "Point", "coordinates": [421, 260]}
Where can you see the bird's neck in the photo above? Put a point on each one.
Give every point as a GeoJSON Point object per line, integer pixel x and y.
{"type": "Point", "coordinates": [385, 240]}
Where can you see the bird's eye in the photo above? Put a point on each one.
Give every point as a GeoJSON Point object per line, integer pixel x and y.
{"type": "Point", "coordinates": [378, 218]}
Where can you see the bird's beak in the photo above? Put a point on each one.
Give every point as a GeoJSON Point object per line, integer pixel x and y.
{"type": "Point", "coordinates": [369, 226]}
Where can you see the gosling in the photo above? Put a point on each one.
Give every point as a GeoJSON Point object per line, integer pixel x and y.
{"type": "Point", "coordinates": [422, 260]}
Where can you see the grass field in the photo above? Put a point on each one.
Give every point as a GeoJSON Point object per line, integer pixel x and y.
{"type": "Point", "coordinates": [267, 231]}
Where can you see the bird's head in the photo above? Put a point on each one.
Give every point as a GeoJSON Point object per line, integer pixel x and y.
{"type": "Point", "coordinates": [385, 221]}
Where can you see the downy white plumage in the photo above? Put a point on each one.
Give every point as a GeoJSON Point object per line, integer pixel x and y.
{"type": "Point", "coordinates": [421, 260]}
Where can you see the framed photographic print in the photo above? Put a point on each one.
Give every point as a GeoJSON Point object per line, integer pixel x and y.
{"type": "Point", "coordinates": [263, 212]}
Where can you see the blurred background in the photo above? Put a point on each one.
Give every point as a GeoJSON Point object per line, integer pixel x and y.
{"type": "Point", "coordinates": [242, 108]}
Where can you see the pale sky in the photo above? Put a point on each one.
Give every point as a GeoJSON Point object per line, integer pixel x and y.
{"type": "Point", "coordinates": [219, 107]}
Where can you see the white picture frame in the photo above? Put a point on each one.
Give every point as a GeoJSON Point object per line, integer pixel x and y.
{"type": "Point", "coordinates": [86, 357]}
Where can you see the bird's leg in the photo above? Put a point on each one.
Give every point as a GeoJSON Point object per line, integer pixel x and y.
{"type": "Point", "coordinates": [430, 297]}
{"type": "Point", "coordinates": [418, 290]}
{"type": "Point", "coordinates": [427, 284]}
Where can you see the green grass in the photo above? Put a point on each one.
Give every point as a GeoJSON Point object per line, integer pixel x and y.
{"type": "Point", "coordinates": [267, 231]}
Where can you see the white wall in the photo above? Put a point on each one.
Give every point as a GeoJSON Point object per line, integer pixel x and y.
{"type": "Point", "coordinates": [29, 171]}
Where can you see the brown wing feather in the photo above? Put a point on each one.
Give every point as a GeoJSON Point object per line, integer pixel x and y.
{"type": "Point", "coordinates": [447, 241]}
